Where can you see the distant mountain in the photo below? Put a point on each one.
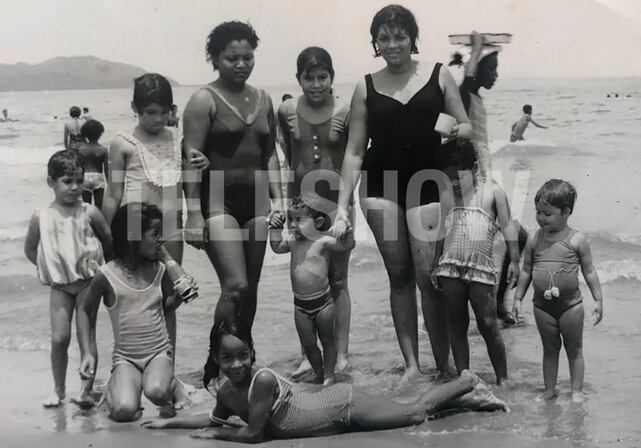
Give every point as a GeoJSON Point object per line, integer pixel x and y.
{"type": "Point", "coordinates": [66, 73]}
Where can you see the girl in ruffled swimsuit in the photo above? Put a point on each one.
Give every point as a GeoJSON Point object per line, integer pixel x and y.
{"type": "Point", "coordinates": [465, 266]}
{"type": "Point", "coordinates": [552, 260]}
{"type": "Point", "coordinates": [273, 407]}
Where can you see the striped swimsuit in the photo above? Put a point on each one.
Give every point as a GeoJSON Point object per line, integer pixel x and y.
{"type": "Point", "coordinates": [467, 251]}
{"type": "Point", "coordinates": [298, 413]}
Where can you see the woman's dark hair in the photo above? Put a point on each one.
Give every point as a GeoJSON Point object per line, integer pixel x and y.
{"type": "Point", "coordinates": [92, 130]}
{"type": "Point", "coordinates": [394, 16]}
{"type": "Point", "coordinates": [312, 57]}
{"type": "Point", "coordinates": [228, 32]}
{"type": "Point", "coordinates": [64, 162]}
{"type": "Point", "coordinates": [558, 193]}
{"type": "Point", "coordinates": [230, 325]}
{"type": "Point", "coordinates": [459, 153]}
{"type": "Point", "coordinates": [129, 223]}
{"type": "Point", "coordinates": [74, 112]}
{"type": "Point", "coordinates": [152, 88]}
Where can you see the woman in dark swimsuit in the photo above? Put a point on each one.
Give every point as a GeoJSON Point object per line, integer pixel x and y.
{"type": "Point", "coordinates": [397, 108]}
{"type": "Point", "coordinates": [232, 123]}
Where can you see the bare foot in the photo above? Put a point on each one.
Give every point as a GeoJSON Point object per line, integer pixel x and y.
{"type": "Point", "coordinates": [547, 395]}
{"type": "Point", "coordinates": [444, 377]}
{"type": "Point", "coordinates": [167, 411]}
{"type": "Point", "coordinates": [53, 401]}
{"type": "Point", "coordinates": [411, 373]}
{"type": "Point", "coordinates": [304, 368]}
{"type": "Point", "coordinates": [577, 397]}
{"type": "Point", "coordinates": [181, 394]}
{"type": "Point", "coordinates": [469, 378]}
{"type": "Point", "coordinates": [328, 381]}
{"type": "Point", "coordinates": [503, 383]}
{"type": "Point", "coordinates": [342, 364]}
{"type": "Point", "coordinates": [84, 401]}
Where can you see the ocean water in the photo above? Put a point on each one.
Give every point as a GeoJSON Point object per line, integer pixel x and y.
{"type": "Point", "coordinates": [592, 141]}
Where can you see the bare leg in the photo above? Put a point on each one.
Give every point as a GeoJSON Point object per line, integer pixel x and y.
{"type": "Point", "coordinates": [225, 251]}
{"type": "Point", "coordinates": [426, 217]}
{"type": "Point", "coordinates": [374, 412]}
{"type": "Point", "coordinates": [157, 385]}
{"type": "Point", "coordinates": [483, 303]}
{"type": "Point", "coordinates": [307, 335]}
{"type": "Point", "coordinates": [387, 222]}
{"type": "Point", "coordinates": [98, 196]}
{"type": "Point", "coordinates": [456, 298]}
{"type": "Point", "coordinates": [123, 394]}
{"type": "Point", "coordinates": [86, 400]}
{"type": "Point", "coordinates": [571, 325]}
{"type": "Point", "coordinates": [326, 333]}
{"type": "Point", "coordinates": [338, 269]}
{"type": "Point", "coordinates": [551, 337]}
{"type": "Point", "coordinates": [254, 249]}
{"type": "Point", "coordinates": [61, 310]}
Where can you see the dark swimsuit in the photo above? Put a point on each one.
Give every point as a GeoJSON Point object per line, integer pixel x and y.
{"type": "Point", "coordinates": [555, 264]}
{"type": "Point", "coordinates": [238, 150]}
{"type": "Point", "coordinates": [403, 140]}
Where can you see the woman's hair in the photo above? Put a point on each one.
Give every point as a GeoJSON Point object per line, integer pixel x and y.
{"type": "Point", "coordinates": [129, 223]}
{"type": "Point", "coordinates": [228, 32]}
{"type": "Point", "coordinates": [92, 130]}
{"type": "Point", "coordinates": [230, 325]}
{"type": "Point", "coordinates": [152, 88]}
{"type": "Point", "coordinates": [459, 153]}
{"type": "Point", "coordinates": [65, 162]}
{"type": "Point", "coordinates": [527, 109]}
{"type": "Point", "coordinates": [394, 16]}
{"type": "Point", "coordinates": [74, 111]}
{"type": "Point", "coordinates": [312, 57]}
{"type": "Point", "coordinates": [558, 193]}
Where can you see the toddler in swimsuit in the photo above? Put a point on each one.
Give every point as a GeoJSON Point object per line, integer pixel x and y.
{"type": "Point", "coordinates": [137, 290]}
{"type": "Point", "coordinates": [464, 264]}
{"type": "Point", "coordinates": [65, 241]}
{"type": "Point", "coordinates": [310, 246]}
{"type": "Point", "coordinates": [553, 256]}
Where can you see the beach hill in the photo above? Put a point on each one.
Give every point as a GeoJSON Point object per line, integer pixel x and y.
{"type": "Point", "coordinates": [66, 73]}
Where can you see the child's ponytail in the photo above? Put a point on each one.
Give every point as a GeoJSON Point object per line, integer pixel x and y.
{"type": "Point", "coordinates": [211, 369]}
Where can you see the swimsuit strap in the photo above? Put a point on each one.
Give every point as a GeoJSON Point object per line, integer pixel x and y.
{"type": "Point", "coordinates": [283, 385]}
{"type": "Point", "coordinates": [161, 170]}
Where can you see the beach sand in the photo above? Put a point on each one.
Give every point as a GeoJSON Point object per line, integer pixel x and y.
{"type": "Point", "coordinates": [25, 377]}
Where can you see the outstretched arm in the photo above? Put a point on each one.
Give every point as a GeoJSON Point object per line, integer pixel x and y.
{"type": "Point", "coordinates": [536, 124]}
{"type": "Point", "coordinates": [590, 274]}
{"type": "Point", "coordinates": [273, 164]}
{"type": "Point", "coordinates": [196, 421]}
{"type": "Point", "coordinates": [279, 242]}
{"type": "Point", "coordinates": [261, 401]}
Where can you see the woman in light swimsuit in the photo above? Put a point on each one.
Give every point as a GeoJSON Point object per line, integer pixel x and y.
{"type": "Point", "coordinates": [396, 108]}
{"type": "Point", "coordinates": [314, 130]}
{"type": "Point", "coordinates": [232, 123]}
{"type": "Point", "coordinates": [273, 407]}
{"type": "Point", "coordinates": [137, 291]}
{"type": "Point", "coordinates": [552, 260]}
{"type": "Point", "coordinates": [473, 211]}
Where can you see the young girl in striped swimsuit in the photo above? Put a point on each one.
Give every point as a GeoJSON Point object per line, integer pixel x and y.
{"type": "Point", "coordinates": [273, 407]}
{"type": "Point", "coordinates": [466, 271]}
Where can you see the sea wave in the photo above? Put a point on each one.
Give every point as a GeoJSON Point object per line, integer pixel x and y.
{"type": "Point", "coordinates": [12, 233]}
{"type": "Point", "coordinates": [13, 156]}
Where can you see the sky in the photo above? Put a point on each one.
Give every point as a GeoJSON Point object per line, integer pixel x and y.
{"type": "Point", "coordinates": [552, 38]}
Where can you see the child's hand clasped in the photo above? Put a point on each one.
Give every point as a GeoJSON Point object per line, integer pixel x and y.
{"type": "Point", "coordinates": [276, 220]}
{"type": "Point", "coordinates": [87, 367]}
